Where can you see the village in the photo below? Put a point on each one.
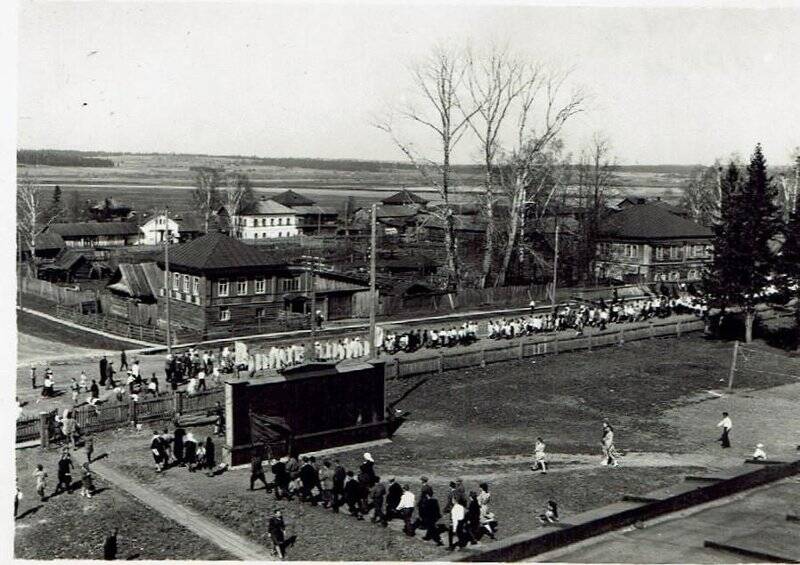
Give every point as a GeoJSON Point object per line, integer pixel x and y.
{"type": "Point", "coordinates": [405, 283]}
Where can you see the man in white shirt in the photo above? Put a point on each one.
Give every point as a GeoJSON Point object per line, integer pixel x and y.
{"type": "Point", "coordinates": [726, 426]}
{"type": "Point", "coordinates": [457, 514]}
{"type": "Point", "coordinates": [405, 508]}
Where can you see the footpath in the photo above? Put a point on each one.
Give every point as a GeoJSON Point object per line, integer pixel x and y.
{"type": "Point", "coordinates": [226, 539]}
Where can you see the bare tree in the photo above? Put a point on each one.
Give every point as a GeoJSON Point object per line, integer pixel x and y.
{"type": "Point", "coordinates": [206, 192]}
{"type": "Point", "coordinates": [522, 165]}
{"type": "Point", "coordinates": [33, 217]}
{"type": "Point", "coordinates": [439, 81]}
{"type": "Point", "coordinates": [238, 196]}
{"type": "Point", "coordinates": [495, 81]}
{"type": "Point", "coordinates": [789, 187]}
{"type": "Point", "coordinates": [595, 181]}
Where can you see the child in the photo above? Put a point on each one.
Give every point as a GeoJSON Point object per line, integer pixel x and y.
{"type": "Point", "coordinates": [41, 481]}
{"type": "Point", "coordinates": [87, 481]}
{"type": "Point", "coordinates": [539, 456]}
{"type": "Point", "coordinates": [550, 515]}
{"type": "Point", "coordinates": [82, 381]}
{"type": "Point", "coordinates": [759, 454]}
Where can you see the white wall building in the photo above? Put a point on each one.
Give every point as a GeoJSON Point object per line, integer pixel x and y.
{"type": "Point", "coordinates": [154, 230]}
{"type": "Point", "coordinates": [266, 219]}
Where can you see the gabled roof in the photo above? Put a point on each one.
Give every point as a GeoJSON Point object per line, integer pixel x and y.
{"type": "Point", "coordinates": [67, 260]}
{"type": "Point", "coordinates": [266, 208]}
{"type": "Point", "coordinates": [85, 229]}
{"type": "Point", "coordinates": [113, 204]}
{"type": "Point", "coordinates": [49, 240]}
{"type": "Point", "coordinates": [650, 221]}
{"type": "Point", "coordinates": [404, 197]}
{"type": "Point", "coordinates": [291, 198]}
{"type": "Point", "coordinates": [216, 252]}
{"type": "Point", "coordinates": [142, 280]}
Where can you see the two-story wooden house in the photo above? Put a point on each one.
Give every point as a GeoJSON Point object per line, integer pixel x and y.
{"type": "Point", "coordinates": [221, 286]}
{"type": "Point", "coordinates": [649, 243]}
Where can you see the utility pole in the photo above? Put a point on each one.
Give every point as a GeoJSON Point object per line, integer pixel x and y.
{"type": "Point", "coordinates": [372, 293]}
{"type": "Point", "coordinates": [555, 273]}
{"type": "Point", "coordinates": [19, 270]}
{"type": "Point", "coordinates": [312, 277]}
{"type": "Point", "coordinates": [167, 281]}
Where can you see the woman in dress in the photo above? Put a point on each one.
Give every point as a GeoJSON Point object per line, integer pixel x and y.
{"type": "Point", "coordinates": [488, 521]}
{"type": "Point", "coordinates": [539, 458]}
{"type": "Point", "coordinates": [609, 451]}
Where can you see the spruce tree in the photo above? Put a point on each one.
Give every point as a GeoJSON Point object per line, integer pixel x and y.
{"type": "Point", "coordinates": [789, 266]}
{"type": "Point", "coordinates": [743, 257]}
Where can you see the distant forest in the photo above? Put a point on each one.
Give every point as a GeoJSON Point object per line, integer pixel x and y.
{"type": "Point", "coordinates": [58, 158]}
{"type": "Point", "coordinates": [94, 159]}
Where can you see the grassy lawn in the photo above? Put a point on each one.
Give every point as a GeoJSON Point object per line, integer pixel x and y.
{"type": "Point", "coordinates": [70, 526]}
{"type": "Point", "coordinates": [480, 424]}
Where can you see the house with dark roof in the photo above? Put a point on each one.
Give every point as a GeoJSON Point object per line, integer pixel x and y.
{"type": "Point", "coordinates": [291, 199]}
{"type": "Point", "coordinates": [96, 234]}
{"type": "Point", "coordinates": [109, 209]}
{"type": "Point", "coordinates": [221, 286]}
{"type": "Point", "coordinates": [405, 198]}
{"type": "Point", "coordinates": [649, 243]}
{"type": "Point", "coordinates": [316, 220]}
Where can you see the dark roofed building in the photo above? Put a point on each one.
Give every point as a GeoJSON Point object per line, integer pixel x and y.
{"type": "Point", "coordinates": [97, 234]}
{"type": "Point", "coordinates": [109, 209]}
{"type": "Point", "coordinates": [220, 286]}
{"type": "Point", "coordinates": [649, 243]}
{"type": "Point", "coordinates": [316, 220]}
{"type": "Point", "coordinates": [404, 198]}
{"type": "Point", "coordinates": [291, 199]}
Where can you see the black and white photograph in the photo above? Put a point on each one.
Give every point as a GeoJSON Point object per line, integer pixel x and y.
{"type": "Point", "coordinates": [398, 281]}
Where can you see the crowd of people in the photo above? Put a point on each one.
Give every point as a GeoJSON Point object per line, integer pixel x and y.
{"type": "Point", "coordinates": [365, 494]}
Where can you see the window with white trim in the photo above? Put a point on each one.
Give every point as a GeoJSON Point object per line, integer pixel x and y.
{"type": "Point", "coordinates": [224, 314]}
{"type": "Point", "coordinates": [290, 284]}
{"type": "Point", "coordinates": [280, 221]}
{"type": "Point", "coordinates": [176, 281]}
{"type": "Point", "coordinates": [186, 279]}
{"type": "Point", "coordinates": [195, 286]}
{"type": "Point", "coordinates": [261, 286]}
{"type": "Point", "coordinates": [659, 253]}
{"type": "Point", "coordinates": [241, 287]}
{"type": "Point", "coordinates": [222, 287]}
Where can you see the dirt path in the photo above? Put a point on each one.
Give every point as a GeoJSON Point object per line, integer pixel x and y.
{"type": "Point", "coordinates": [209, 530]}
{"type": "Point", "coordinates": [567, 463]}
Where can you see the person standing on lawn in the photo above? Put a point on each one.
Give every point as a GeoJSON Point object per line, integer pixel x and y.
{"type": "Point", "coordinates": [257, 470]}
{"type": "Point", "coordinates": [157, 449]}
{"type": "Point", "coordinates": [103, 367]}
{"type": "Point", "coordinates": [87, 481]}
{"type": "Point", "coordinates": [726, 424]}
{"type": "Point", "coordinates": [41, 481]}
{"type": "Point", "coordinates": [457, 525]}
{"type": "Point", "coordinates": [64, 473]}
{"type": "Point", "coordinates": [88, 445]}
{"type": "Point", "coordinates": [110, 375]}
{"type": "Point", "coordinates": [211, 457]}
{"type": "Point", "coordinates": [377, 496]}
{"type": "Point", "coordinates": [123, 360]}
{"type": "Point", "coordinates": [326, 483]}
{"type": "Point", "coordinates": [405, 508]}
{"type": "Point", "coordinates": [74, 388]}
{"type": "Point", "coordinates": [277, 534]}
{"type": "Point", "coordinates": [609, 451]}
{"type": "Point", "coordinates": [33, 377]}
{"type": "Point", "coordinates": [110, 545]}
{"type": "Point", "coordinates": [339, 477]}
{"type": "Point", "coordinates": [94, 392]}
{"type": "Point", "coordinates": [393, 494]}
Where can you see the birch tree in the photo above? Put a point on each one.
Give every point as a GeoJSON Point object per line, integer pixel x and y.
{"type": "Point", "coordinates": [33, 218]}
{"type": "Point", "coordinates": [439, 83]}
{"type": "Point", "coordinates": [206, 192]}
{"type": "Point", "coordinates": [238, 196]}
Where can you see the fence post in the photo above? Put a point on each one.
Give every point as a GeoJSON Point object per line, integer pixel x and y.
{"type": "Point", "coordinates": [555, 345]}
{"type": "Point", "coordinates": [132, 411]}
{"type": "Point", "coordinates": [621, 337]}
{"type": "Point", "coordinates": [678, 328]}
{"type": "Point", "coordinates": [483, 357]}
{"type": "Point", "coordinates": [177, 401]}
{"type": "Point", "coordinates": [44, 429]}
{"type": "Point", "coordinates": [396, 367]}
{"type": "Point", "coordinates": [440, 363]}
{"type": "Point", "coordinates": [652, 330]}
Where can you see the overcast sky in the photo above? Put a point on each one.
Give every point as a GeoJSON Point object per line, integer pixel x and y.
{"type": "Point", "coordinates": [668, 86]}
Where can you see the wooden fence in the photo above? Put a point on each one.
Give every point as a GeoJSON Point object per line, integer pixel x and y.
{"type": "Point", "coordinates": [113, 414]}
{"type": "Point", "coordinates": [54, 293]}
{"type": "Point", "coordinates": [116, 326]}
{"type": "Point", "coordinates": [517, 349]}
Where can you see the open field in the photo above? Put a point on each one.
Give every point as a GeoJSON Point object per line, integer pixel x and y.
{"type": "Point", "coordinates": [480, 425]}
{"type": "Point", "coordinates": [70, 526]}
{"type": "Point", "coordinates": [152, 181]}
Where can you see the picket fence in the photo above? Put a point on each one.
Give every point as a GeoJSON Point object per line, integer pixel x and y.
{"type": "Point", "coordinates": [114, 414]}
{"type": "Point", "coordinates": [54, 293]}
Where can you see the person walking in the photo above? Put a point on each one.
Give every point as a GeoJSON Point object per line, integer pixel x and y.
{"type": "Point", "coordinates": [110, 375]}
{"type": "Point", "coordinates": [74, 388]}
{"type": "Point", "coordinates": [488, 521]}
{"type": "Point", "coordinates": [339, 477]}
{"type": "Point", "coordinates": [405, 508]}
{"type": "Point", "coordinates": [94, 392]}
{"type": "Point", "coordinates": [281, 478]}
{"type": "Point", "coordinates": [64, 473]}
{"type": "Point", "coordinates": [539, 458]}
{"type": "Point", "coordinates": [17, 498]}
{"type": "Point", "coordinates": [157, 449]}
{"type": "Point", "coordinates": [457, 524]}
{"type": "Point", "coordinates": [88, 445]}
{"type": "Point", "coordinates": [211, 453]}
{"type": "Point", "coordinates": [429, 515]}
{"type": "Point", "coordinates": [110, 545]}
{"type": "Point", "coordinates": [277, 534]}
{"type": "Point", "coordinates": [352, 495]}
{"type": "Point", "coordinates": [377, 497]}
{"type": "Point", "coordinates": [103, 367]}
{"type": "Point", "coordinates": [326, 483]}
{"type": "Point", "coordinates": [609, 450]}
{"type": "Point", "coordinates": [726, 424]}
{"type": "Point", "coordinates": [123, 360]}
{"type": "Point", "coordinates": [33, 377]}
{"type": "Point", "coordinates": [177, 441]}
{"type": "Point", "coordinates": [393, 494]}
